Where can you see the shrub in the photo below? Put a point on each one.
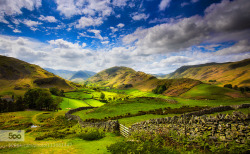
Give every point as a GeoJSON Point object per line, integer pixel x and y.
{"type": "Point", "coordinates": [90, 134]}
{"type": "Point", "coordinates": [228, 86]}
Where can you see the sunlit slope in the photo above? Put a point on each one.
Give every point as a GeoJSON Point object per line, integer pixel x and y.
{"type": "Point", "coordinates": [212, 92]}
{"type": "Point", "coordinates": [17, 75]}
{"type": "Point", "coordinates": [119, 77]}
{"type": "Point", "coordinates": [235, 73]}
{"type": "Point", "coordinates": [125, 78]}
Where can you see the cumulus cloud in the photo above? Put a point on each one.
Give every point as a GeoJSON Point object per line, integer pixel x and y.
{"type": "Point", "coordinates": [70, 8]}
{"type": "Point", "coordinates": [64, 44]}
{"type": "Point", "coordinates": [242, 46]}
{"type": "Point", "coordinates": [16, 31]}
{"type": "Point", "coordinates": [13, 7]}
{"type": "Point", "coordinates": [220, 20]}
{"type": "Point", "coordinates": [47, 18]}
{"type": "Point", "coordinates": [120, 25]}
{"type": "Point", "coordinates": [97, 33]}
{"type": "Point", "coordinates": [31, 23]}
{"type": "Point", "coordinates": [88, 21]}
{"type": "Point", "coordinates": [62, 54]}
{"type": "Point", "coordinates": [139, 16]}
{"type": "Point", "coordinates": [119, 3]}
{"type": "Point", "coordinates": [164, 4]}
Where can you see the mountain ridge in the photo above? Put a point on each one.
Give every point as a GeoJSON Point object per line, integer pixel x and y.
{"type": "Point", "coordinates": [235, 73]}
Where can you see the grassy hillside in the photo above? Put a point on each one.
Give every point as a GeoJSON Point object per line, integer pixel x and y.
{"type": "Point", "coordinates": [17, 76]}
{"type": "Point", "coordinates": [119, 77]}
{"type": "Point", "coordinates": [235, 73]}
{"type": "Point", "coordinates": [125, 78]}
{"type": "Point", "coordinates": [211, 92]}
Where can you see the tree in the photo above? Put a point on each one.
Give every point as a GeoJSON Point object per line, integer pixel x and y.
{"type": "Point", "coordinates": [228, 86]}
{"type": "Point", "coordinates": [102, 96]}
{"type": "Point", "coordinates": [235, 87]}
{"type": "Point", "coordinates": [242, 89]}
{"type": "Point", "coordinates": [56, 103]}
{"type": "Point", "coordinates": [159, 89]}
{"type": "Point", "coordinates": [54, 91]}
{"type": "Point", "coordinates": [20, 105]}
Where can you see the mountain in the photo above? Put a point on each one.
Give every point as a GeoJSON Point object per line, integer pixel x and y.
{"type": "Point", "coordinates": [75, 76]}
{"type": "Point", "coordinates": [82, 75]}
{"type": "Point", "coordinates": [66, 74]}
{"type": "Point", "coordinates": [235, 73]}
{"type": "Point", "coordinates": [17, 76]}
{"type": "Point", "coordinates": [124, 77]}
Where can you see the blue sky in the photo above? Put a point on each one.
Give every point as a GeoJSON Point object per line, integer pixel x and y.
{"type": "Point", "coordinates": [154, 36]}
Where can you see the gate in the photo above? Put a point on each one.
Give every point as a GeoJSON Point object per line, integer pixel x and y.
{"type": "Point", "coordinates": [124, 130]}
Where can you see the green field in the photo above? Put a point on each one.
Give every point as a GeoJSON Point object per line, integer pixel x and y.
{"type": "Point", "coordinates": [68, 104]}
{"type": "Point", "coordinates": [206, 91]}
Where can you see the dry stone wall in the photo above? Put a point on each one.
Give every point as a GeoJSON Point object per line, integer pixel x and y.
{"type": "Point", "coordinates": [225, 127]}
{"type": "Point", "coordinates": [110, 125]}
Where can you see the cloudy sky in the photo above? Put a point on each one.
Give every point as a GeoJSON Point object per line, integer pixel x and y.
{"type": "Point", "coordinates": [154, 36]}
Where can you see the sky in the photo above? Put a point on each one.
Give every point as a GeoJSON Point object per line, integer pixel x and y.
{"type": "Point", "coordinates": [153, 36]}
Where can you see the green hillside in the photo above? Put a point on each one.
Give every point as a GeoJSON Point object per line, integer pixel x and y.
{"type": "Point", "coordinates": [235, 73]}
{"type": "Point", "coordinates": [127, 78]}
{"type": "Point", "coordinates": [17, 76]}
{"type": "Point", "coordinates": [211, 92]}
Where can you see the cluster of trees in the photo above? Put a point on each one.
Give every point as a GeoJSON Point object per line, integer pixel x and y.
{"type": "Point", "coordinates": [11, 106]}
{"type": "Point", "coordinates": [159, 89]}
{"type": "Point", "coordinates": [212, 81]}
{"type": "Point", "coordinates": [242, 89]}
{"type": "Point", "coordinates": [41, 99]}
{"type": "Point", "coordinates": [56, 91]}
{"type": "Point", "coordinates": [33, 99]}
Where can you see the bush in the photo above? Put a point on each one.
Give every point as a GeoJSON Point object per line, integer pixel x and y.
{"type": "Point", "coordinates": [159, 89]}
{"type": "Point", "coordinates": [90, 134]}
{"type": "Point", "coordinates": [228, 86]}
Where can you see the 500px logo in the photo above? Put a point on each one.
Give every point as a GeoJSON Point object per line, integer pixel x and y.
{"type": "Point", "coordinates": [11, 135]}
{"type": "Point", "coordinates": [15, 136]}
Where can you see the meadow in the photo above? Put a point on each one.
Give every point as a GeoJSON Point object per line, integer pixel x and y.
{"type": "Point", "coordinates": [55, 131]}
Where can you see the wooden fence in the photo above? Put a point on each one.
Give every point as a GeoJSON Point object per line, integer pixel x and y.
{"type": "Point", "coordinates": [124, 130]}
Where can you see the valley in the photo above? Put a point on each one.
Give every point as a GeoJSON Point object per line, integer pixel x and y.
{"type": "Point", "coordinates": [117, 94]}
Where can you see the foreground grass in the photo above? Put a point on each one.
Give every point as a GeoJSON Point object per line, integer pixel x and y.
{"type": "Point", "coordinates": [70, 144]}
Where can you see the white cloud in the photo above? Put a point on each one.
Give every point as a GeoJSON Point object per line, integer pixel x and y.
{"type": "Point", "coordinates": [31, 23]}
{"type": "Point", "coordinates": [139, 16]}
{"type": "Point", "coordinates": [119, 3]}
{"type": "Point", "coordinates": [105, 42]}
{"type": "Point", "coordinates": [114, 29]}
{"type": "Point", "coordinates": [47, 18]}
{"type": "Point", "coordinates": [164, 4]}
{"type": "Point", "coordinates": [16, 31]}
{"type": "Point", "coordinates": [88, 21]}
{"type": "Point", "coordinates": [221, 21]}
{"type": "Point", "coordinates": [13, 7]}
{"type": "Point", "coordinates": [64, 44]}
{"type": "Point", "coordinates": [194, 1]}
{"type": "Point", "coordinates": [242, 46]}
{"type": "Point", "coordinates": [97, 33]}
{"type": "Point", "coordinates": [70, 8]}
{"type": "Point", "coordinates": [120, 25]}
{"type": "Point", "coordinates": [62, 54]}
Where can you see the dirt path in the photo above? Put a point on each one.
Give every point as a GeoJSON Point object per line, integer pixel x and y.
{"type": "Point", "coordinates": [35, 121]}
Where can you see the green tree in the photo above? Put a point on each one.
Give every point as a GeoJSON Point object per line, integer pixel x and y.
{"type": "Point", "coordinates": [228, 86]}
{"type": "Point", "coordinates": [102, 96]}
{"type": "Point", "coordinates": [56, 103]}
{"type": "Point", "coordinates": [54, 91]}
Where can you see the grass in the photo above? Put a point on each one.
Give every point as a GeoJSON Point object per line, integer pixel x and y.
{"type": "Point", "coordinates": [94, 103]}
{"type": "Point", "coordinates": [68, 104]}
{"type": "Point", "coordinates": [122, 107]}
{"type": "Point", "coordinates": [78, 95]}
{"type": "Point", "coordinates": [132, 120]}
{"type": "Point", "coordinates": [206, 91]}
{"type": "Point", "coordinates": [72, 144]}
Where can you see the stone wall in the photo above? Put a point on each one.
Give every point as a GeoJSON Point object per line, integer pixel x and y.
{"type": "Point", "coordinates": [110, 125]}
{"type": "Point", "coordinates": [224, 127]}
